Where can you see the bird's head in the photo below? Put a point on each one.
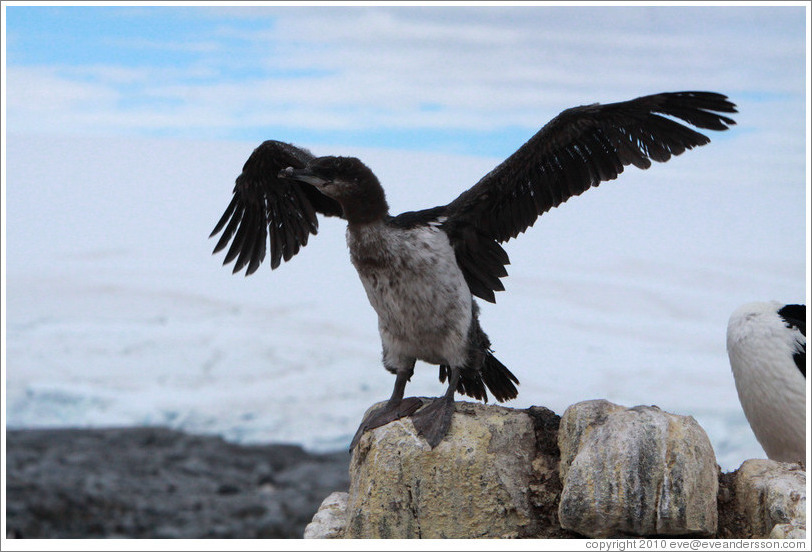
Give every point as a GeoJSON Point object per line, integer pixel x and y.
{"type": "Point", "coordinates": [348, 181]}
{"type": "Point", "coordinates": [336, 177]}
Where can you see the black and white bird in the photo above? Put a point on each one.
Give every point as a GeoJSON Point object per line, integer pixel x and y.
{"type": "Point", "coordinates": [766, 344]}
{"type": "Point", "coordinates": [422, 269]}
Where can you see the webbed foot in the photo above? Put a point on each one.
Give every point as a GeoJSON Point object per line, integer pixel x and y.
{"type": "Point", "coordinates": [433, 421]}
{"type": "Point", "coordinates": [384, 415]}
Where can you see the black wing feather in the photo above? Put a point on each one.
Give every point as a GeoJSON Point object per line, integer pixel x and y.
{"type": "Point", "coordinates": [265, 208]}
{"type": "Point", "coordinates": [247, 249]}
{"type": "Point", "coordinates": [794, 316]}
{"type": "Point", "coordinates": [577, 150]}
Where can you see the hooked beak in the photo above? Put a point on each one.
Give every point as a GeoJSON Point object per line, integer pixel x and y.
{"type": "Point", "coordinates": [302, 175]}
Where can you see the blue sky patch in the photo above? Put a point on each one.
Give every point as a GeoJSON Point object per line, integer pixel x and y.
{"type": "Point", "coordinates": [457, 79]}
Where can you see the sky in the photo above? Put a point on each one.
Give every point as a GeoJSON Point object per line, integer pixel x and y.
{"type": "Point", "coordinates": [126, 126]}
{"type": "Point", "coordinates": [457, 79]}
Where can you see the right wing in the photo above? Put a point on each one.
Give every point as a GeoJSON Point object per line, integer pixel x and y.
{"type": "Point", "coordinates": [264, 204]}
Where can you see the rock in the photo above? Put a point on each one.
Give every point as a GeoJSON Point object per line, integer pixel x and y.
{"type": "Point", "coordinates": [636, 471]}
{"type": "Point", "coordinates": [772, 497]}
{"type": "Point", "coordinates": [474, 484]}
{"type": "Point", "coordinates": [788, 531]}
{"type": "Point", "coordinates": [545, 489]}
{"type": "Point", "coordinates": [732, 523]}
{"type": "Point", "coordinates": [578, 420]}
{"type": "Point", "coordinates": [496, 476]}
{"type": "Point", "coordinates": [330, 520]}
{"type": "Point", "coordinates": [626, 471]}
{"type": "Point", "coordinates": [156, 483]}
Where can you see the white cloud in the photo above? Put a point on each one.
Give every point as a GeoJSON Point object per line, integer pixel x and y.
{"type": "Point", "coordinates": [44, 90]}
{"type": "Point", "coordinates": [377, 68]}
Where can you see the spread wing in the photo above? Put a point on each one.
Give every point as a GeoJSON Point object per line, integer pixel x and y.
{"type": "Point", "coordinates": [580, 148]}
{"type": "Point", "coordinates": [264, 205]}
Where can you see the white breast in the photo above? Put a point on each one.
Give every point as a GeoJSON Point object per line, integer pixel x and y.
{"type": "Point", "coordinates": [771, 389]}
{"type": "Point", "coordinates": [413, 282]}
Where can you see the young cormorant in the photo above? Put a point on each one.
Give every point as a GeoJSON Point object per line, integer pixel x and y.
{"type": "Point", "coordinates": [422, 269]}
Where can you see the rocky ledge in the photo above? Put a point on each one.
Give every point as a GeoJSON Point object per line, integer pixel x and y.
{"type": "Point", "coordinates": [157, 483]}
{"type": "Point", "coordinates": [601, 470]}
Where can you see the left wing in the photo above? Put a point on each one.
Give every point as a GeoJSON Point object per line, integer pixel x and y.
{"type": "Point", "coordinates": [582, 147]}
{"type": "Point", "coordinates": [578, 149]}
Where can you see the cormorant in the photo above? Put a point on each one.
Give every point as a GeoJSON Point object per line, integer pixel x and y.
{"type": "Point", "coordinates": [766, 344]}
{"type": "Point", "coordinates": [422, 269]}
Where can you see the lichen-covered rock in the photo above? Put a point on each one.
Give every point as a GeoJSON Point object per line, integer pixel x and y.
{"type": "Point", "coordinates": [330, 519]}
{"type": "Point", "coordinates": [636, 471]}
{"type": "Point", "coordinates": [772, 496]}
{"type": "Point", "coordinates": [578, 420]}
{"type": "Point", "coordinates": [474, 484]}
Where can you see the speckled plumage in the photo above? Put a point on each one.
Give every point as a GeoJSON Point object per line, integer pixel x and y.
{"type": "Point", "coordinates": [413, 282]}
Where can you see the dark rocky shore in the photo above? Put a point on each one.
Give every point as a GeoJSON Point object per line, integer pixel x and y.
{"type": "Point", "coordinates": [158, 483]}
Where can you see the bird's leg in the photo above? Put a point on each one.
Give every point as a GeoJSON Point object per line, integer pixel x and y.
{"type": "Point", "coordinates": [433, 421]}
{"type": "Point", "coordinates": [395, 408]}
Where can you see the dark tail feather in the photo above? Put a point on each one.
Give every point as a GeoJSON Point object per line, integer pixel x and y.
{"type": "Point", "coordinates": [493, 374]}
{"type": "Point", "coordinates": [499, 379]}
{"type": "Point", "coordinates": [470, 383]}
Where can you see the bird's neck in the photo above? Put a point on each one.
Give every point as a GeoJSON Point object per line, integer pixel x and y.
{"type": "Point", "coordinates": [367, 206]}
